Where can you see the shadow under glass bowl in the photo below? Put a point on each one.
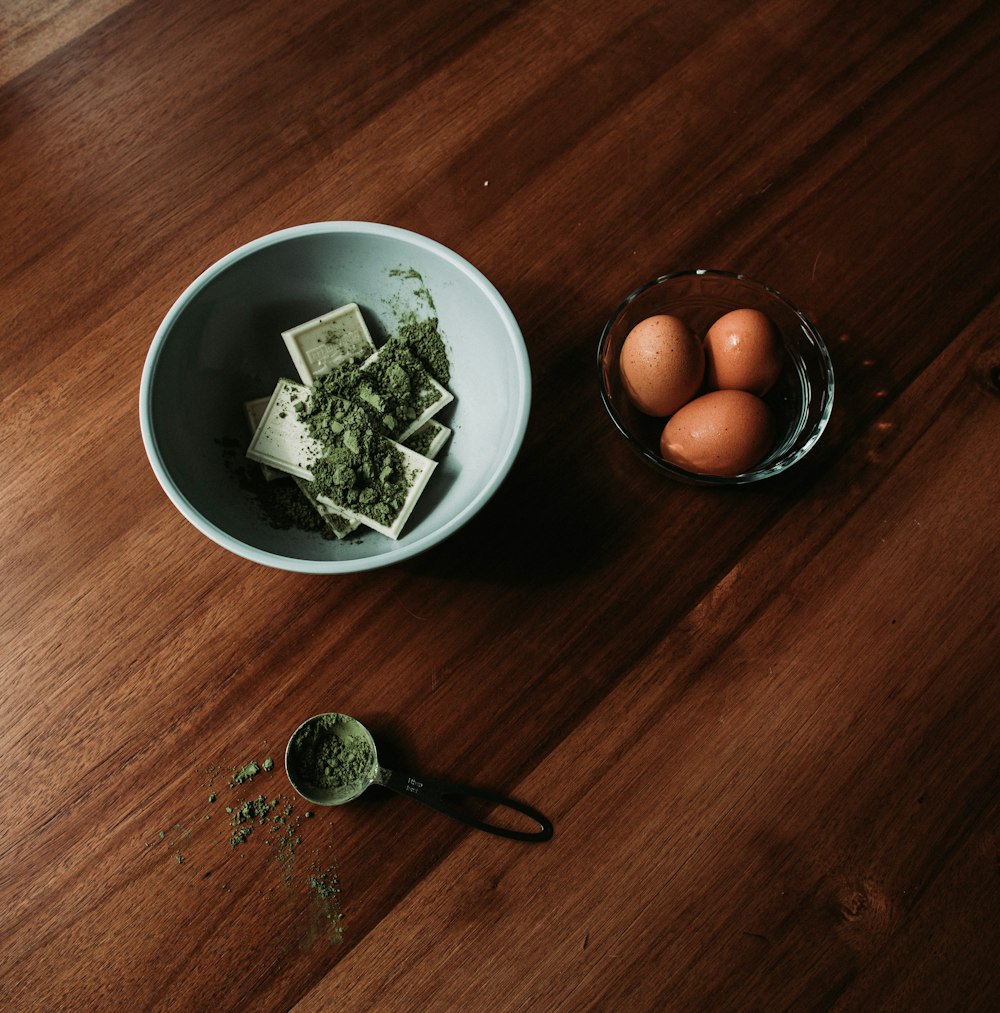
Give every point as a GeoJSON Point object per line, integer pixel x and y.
{"type": "Point", "coordinates": [801, 400]}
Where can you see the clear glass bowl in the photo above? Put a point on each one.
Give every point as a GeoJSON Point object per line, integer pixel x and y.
{"type": "Point", "coordinates": [802, 399]}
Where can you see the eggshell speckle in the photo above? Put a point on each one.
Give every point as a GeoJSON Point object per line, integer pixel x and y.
{"type": "Point", "coordinates": [743, 352]}
{"type": "Point", "coordinates": [724, 432]}
{"type": "Point", "coordinates": [662, 365]}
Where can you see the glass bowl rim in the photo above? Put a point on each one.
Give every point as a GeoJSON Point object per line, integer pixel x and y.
{"type": "Point", "coordinates": [782, 462]}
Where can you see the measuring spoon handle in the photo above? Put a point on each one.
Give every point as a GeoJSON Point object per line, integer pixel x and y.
{"type": "Point", "coordinates": [446, 798]}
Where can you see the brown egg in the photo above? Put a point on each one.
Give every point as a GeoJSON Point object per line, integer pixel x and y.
{"type": "Point", "coordinates": [724, 432]}
{"type": "Point", "coordinates": [662, 364]}
{"type": "Point", "coordinates": [743, 352]}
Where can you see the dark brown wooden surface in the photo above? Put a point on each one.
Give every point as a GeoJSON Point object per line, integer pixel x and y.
{"type": "Point", "coordinates": [765, 721]}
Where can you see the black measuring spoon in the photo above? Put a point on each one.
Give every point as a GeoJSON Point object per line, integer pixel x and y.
{"type": "Point", "coordinates": [364, 770]}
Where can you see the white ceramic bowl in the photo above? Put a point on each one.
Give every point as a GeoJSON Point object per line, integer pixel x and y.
{"type": "Point", "coordinates": [220, 345]}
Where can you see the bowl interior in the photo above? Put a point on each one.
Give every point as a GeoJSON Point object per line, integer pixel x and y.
{"type": "Point", "coordinates": [221, 346]}
{"type": "Point", "coordinates": [801, 400]}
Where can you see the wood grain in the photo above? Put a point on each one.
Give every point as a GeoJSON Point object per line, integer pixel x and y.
{"type": "Point", "coordinates": [763, 720]}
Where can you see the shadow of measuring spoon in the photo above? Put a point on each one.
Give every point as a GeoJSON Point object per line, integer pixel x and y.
{"type": "Point", "coordinates": [331, 759]}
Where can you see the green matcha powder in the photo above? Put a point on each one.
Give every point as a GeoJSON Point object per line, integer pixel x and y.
{"type": "Point", "coordinates": [359, 469]}
{"type": "Point", "coordinates": [327, 758]}
{"type": "Point", "coordinates": [277, 823]}
{"type": "Point", "coordinates": [356, 414]}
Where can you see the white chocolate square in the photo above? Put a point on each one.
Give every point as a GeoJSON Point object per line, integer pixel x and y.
{"type": "Point", "coordinates": [437, 435]}
{"type": "Point", "coordinates": [337, 523]}
{"type": "Point", "coordinates": [254, 412]}
{"type": "Point", "coordinates": [319, 345]}
{"type": "Point", "coordinates": [282, 441]}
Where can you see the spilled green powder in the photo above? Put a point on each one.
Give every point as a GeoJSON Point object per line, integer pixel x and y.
{"type": "Point", "coordinates": [245, 773]}
{"type": "Point", "coordinates": [325, 888]}
{"type": "Point", "coordinates": [252, 811]}
{"type": "Point", "coordinates": [256, 822]}
{"type": "Point", "coordinates": [421, 291]}
{"type": "Point", "coordinates": [324, 885]}
{"type": "Point", "coordinates": [286, 825]}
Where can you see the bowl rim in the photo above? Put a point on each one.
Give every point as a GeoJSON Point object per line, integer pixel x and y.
{"type": "Point", "coordinates": [745, 478]}
{"type": "Point", "coordinates": [398, 552]}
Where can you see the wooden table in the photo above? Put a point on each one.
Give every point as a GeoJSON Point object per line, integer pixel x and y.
{"type": "Point", "coordinates": [764, 721]}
